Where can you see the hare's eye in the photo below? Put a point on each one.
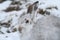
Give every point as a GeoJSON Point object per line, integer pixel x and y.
{"type": "Point", "coordinates": [27, 21]}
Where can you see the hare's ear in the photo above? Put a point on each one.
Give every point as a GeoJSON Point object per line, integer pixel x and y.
{"type": "Point", "coordinates": [29, 10]}
{"type": "Point", "coordinates": [35, 5]}
{"type": "Point", "coordinates": [35, 2]}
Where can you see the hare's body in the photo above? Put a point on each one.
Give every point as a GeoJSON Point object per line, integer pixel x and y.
{"type": "Point", "coordinates": [47, 28]}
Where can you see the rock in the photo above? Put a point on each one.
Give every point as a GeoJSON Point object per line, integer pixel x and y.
{"type": "Point", "coordinates": [8, 31]}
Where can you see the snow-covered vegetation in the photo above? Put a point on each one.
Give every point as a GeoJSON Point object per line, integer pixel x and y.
{"type": "Point", "coordinates": [29, 19]}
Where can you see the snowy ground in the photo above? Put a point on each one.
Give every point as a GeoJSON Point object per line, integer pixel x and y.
{"type": "Point", "coordinates": [18, 18]}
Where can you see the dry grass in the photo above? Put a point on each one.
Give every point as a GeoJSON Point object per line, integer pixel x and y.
{"type": "Point", "coordinates": [52, 8]}
{"type": "Point", "coordinates": [15, 3]}
{"type": "Point", "coordinates": [14, 30]}
{"type": "Point", "coordinates": [1, 1]}
{"type": "Point", "coordinates": [9, 9]}
{"type": "Point", "coordinates": [7, 25]}
{"type": "Point", "coordinates": [41, 11]}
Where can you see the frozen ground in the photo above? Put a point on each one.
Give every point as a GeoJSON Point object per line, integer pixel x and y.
{"type": "Point", "coordinates": [17, 19]}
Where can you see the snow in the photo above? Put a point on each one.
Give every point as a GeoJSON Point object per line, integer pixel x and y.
{"type": "Point", "coordinates": [11, 36]}
{"type": "Point", "coordinates": [18, 18]}
{"type": "Point", "coordinates": [4, 5]}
